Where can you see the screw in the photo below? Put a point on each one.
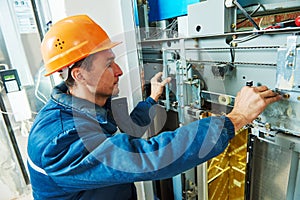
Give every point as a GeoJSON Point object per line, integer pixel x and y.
{"type": "Point", "coordinates": [268, 126]}
{"type": "Point", "coordinates": [249, 83]}
{"type": "Point", "coordinates": [286, 96]}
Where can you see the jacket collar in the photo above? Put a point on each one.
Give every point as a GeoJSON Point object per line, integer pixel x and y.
{"type": "Point", "coordinates": [60, 96]}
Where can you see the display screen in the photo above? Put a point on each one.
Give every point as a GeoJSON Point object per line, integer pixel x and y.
{"type": "Point", "coordinates": [9, 77]}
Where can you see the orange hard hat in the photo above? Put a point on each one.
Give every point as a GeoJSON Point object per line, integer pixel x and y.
{"type": "Point", "coordinates": [72, 39]}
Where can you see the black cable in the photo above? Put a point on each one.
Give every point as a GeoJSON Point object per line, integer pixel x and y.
{"type": "Point", "coordinates": [232, 54]}
{"type": "Point", "coordinates": [246, 14]}
{"type": "Point", "coordinates": [253, 12]}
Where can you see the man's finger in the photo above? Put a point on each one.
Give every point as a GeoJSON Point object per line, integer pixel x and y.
{"type": "Point", "coordinates": [268, 93]}
{"type": "Point", "coordinates": [165, 81]}
{"type": "Point", "coordinates": [261, 88]}
{"type": "Point", "coordinates": [158, 75]}
{"type": "Point", "coordinates": [273, 99]}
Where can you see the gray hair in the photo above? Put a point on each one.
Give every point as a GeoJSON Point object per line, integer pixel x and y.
{"type": "Point", "coordinates": [85, 63]}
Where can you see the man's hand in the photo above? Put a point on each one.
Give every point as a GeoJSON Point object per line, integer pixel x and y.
{"type": "Point", "coordinates": [249, 103]}
{"type": "Point", "coordinates": [157, 86]}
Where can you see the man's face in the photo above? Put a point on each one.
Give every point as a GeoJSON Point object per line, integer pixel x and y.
{"type": "Point", "coordinates": [103, 77]}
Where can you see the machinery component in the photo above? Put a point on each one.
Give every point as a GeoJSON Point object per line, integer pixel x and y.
{"type": "Point", "coordinates": [229, 3]}
{"type": "Point", "coordinates": [284, 116]}
{"type": "Point", "coordinates": [10, 80]}
{"type": "Point", "coordinates": [206, 82]}
{"type": "Point", "coordinates": [166, 9]}
{"type": "Point", "coordinates": [288, 70]}
{"type": "Point", "coordinates": [272, 166]}
{"type": "Point", "coordinates": [192, 114]}
{"type": "Point", "coordinates": [287, 23]}
{"type": "Point", "coordinates": [203, 22]}
{"type": "Point", "coordinates": [220, 70]}
{"type": "Point", "coordinates": [297, 21]}
{"type": "Point", "coordinates": [217, 98]}
{"type": "Point", "coordinates": [249, 83]}
{"type": "Point", "coordinates": [246, 15]}
{"type": "Point", "coordinates": [224, 100]}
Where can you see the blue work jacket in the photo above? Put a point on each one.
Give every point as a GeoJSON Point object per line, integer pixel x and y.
{"type": "Point", "coordinates": [76, 151]}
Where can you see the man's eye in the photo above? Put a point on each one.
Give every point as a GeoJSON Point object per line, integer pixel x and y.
{"type": "Point", "coordinates": [110, 64]}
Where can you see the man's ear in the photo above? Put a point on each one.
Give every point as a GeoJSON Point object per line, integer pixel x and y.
{"type": "Point", "coordinates": [77, 75]}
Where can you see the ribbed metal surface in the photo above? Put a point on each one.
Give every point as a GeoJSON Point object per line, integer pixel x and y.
{"type": "Point", "coordinates": [270, 171]}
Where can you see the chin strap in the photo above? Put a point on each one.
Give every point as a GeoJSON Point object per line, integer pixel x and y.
{"type": "Point", "coordinates": [64, 72]}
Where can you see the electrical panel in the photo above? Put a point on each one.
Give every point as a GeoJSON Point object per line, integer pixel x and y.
{"type": "Point", "coordinates": [207, 72]}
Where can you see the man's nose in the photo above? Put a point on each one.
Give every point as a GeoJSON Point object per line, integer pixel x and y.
{"type": "Point", "coordinates": [117, 70]}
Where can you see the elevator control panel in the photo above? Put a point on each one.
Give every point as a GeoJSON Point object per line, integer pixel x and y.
{"type": "Point", "coordinates": [10, 80]}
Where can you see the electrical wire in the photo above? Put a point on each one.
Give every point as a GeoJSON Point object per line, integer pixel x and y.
{"type": "Point", "coordinates": [244, 39]}
{"type": "Point", "coordinates": [236, 41]}
{"type": "Point", "coordinates": [233, 43]}
{"type": "Point", "coordinates": [232, 55]}
{"type": "Point", "coordinates": [6, 113]}
{"type": "Point", "coordinates": [25, 127]}
{"type": "Point", "coordinates": [11, 113]}
{"type": "Point", "coordinates": [171, 27]}
{"type": "Point", "coordinates": [253, 12]}
{"type": "Point", "coordinates": [246, 15]}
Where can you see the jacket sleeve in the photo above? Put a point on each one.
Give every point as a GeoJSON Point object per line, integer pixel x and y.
{"type": "Point", "coordinates": [99, 160]}
{"type": "Point", "coordinates": [144, 112]}
{"type": "Point", "coordinates": [138, 122]}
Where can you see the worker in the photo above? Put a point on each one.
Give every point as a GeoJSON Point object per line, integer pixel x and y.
{"type": "Point", "coordinates": [75, 149]}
